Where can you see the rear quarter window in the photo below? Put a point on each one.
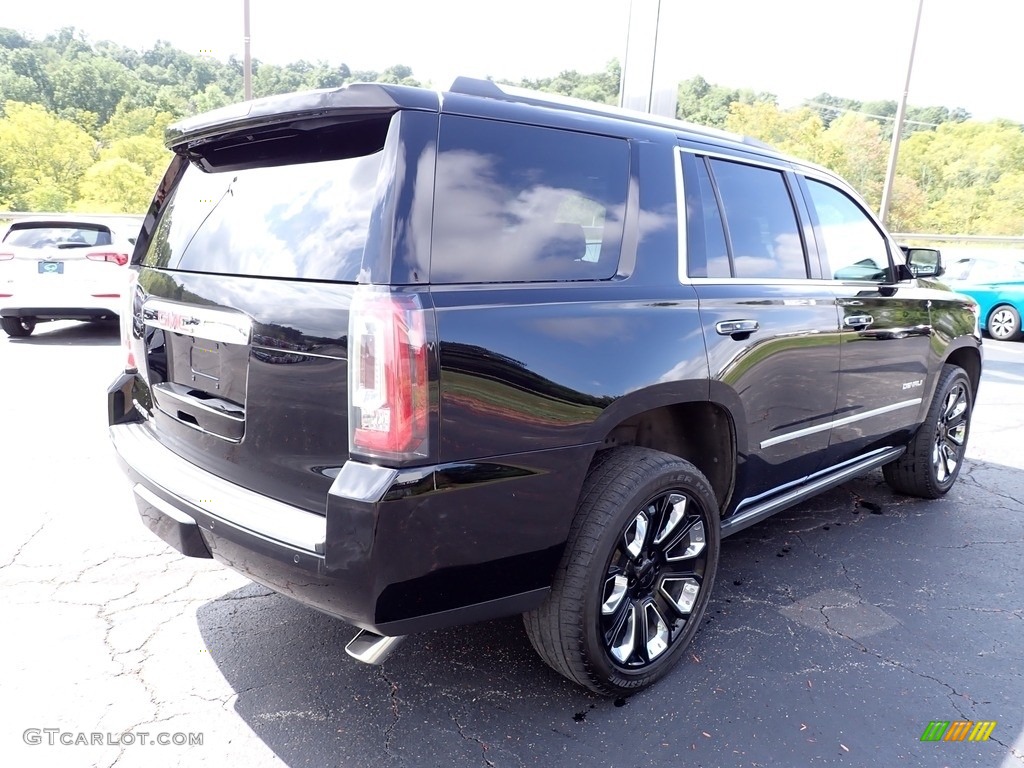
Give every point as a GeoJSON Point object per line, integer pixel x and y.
{"type": "Point", "coordinates": [516, 203]}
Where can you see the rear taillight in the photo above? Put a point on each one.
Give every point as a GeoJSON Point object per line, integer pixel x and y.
{"type": "Point", "coordinates": [127, 309]}
{"type": "Point", "coordinates": [115, 258]}
{"type": "Point", "coordinates": [389, 402]}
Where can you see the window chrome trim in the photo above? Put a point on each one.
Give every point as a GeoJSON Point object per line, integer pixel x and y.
{"type": "Point", "coordinates": [682, 256]}
{"type": "Point", "coordinates": [775, 164]}
{"type": "Point", "coordinates": [839, 422]}
{"type": "Point", "coordinates": [800, 281]}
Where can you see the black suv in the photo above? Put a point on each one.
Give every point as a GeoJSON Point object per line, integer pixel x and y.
{"type": "Point", "coordinates": [419, 359]}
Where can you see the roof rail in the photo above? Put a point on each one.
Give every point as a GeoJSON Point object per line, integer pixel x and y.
{"type": "Point", "coordinates": [472, 86]}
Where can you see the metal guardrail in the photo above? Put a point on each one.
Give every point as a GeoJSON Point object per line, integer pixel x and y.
{"type": "Point", "coordinates": [993, 239]}
{"type": "Point", "coordinates": [18, 215]}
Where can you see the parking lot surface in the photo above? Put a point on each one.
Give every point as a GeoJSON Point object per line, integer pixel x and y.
{"type": "Point", "coordinates": [838, 629]}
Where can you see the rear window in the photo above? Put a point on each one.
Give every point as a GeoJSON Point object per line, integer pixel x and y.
{"type": "Point", "coordinates": [304, 220]}
{"type": "Point", "coordinates": [522, 203]}
{"type": "Point", "coordinates": [36, 235]}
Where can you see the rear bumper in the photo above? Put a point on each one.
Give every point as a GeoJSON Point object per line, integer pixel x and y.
{"type": "Point", "coordinates": [73, 300]}
{"type": "Point", "coordinates": [64, 313]}
{"type": "Point", "coordinates": [395, 552]}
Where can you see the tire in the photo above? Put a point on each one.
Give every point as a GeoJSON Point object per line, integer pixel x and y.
{"type": "Point", "coordinates": [18, 327]}
{"type": "Point", "coordinates": [1003, 323]}
{"type": "Point", "coordinates": [636, 576]}
{"type": "Point", "coordinates": [936, 453]}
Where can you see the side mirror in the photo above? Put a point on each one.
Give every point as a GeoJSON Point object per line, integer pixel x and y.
{"type": "Point", "coordinates": [924, 262]}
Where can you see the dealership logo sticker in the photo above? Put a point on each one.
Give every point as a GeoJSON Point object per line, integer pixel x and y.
{"type": "Point", "coordinates": [958, 730]}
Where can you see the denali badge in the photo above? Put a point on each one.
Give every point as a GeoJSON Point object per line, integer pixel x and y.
{"type": "Point", "coordinates": [912, 384]}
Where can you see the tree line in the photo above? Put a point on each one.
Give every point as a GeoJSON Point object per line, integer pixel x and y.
{"type": "Point", "coordinates": [81, 128]}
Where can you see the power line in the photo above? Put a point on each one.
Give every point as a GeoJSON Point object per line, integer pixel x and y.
{"type": "Point", "coordinates": [890, 118]}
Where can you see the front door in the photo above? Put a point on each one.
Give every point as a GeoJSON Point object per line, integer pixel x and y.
{"type": "Point", "coordinates": [885, 328]}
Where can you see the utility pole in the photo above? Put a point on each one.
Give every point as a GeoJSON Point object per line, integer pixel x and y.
{"type": "Point", "coordinates": [649, 72]}
{"type": "Point", "coordinates": [247, 66]}
{"type": "Point", "coordinates": [897, 127]}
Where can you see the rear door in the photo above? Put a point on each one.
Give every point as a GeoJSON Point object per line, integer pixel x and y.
{"type": "Point", "coordinates": [240, 317]}
{"type": "Point", "coordinates": [770, 326]}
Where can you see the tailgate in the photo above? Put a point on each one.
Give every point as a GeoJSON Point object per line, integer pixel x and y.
{"type": "Point", "coordinates": [240, 315]}
{"type": "Point", "coordinates": [248, 378]}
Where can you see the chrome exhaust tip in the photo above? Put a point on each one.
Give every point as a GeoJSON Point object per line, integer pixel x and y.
{"type": "Point", "coordinates": [371, 648]}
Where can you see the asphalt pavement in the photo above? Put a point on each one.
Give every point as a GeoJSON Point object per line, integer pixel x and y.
{"type": "Point", "coordinates": [839, 629]}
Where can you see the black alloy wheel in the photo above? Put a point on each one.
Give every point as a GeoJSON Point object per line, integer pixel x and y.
{"type": "Point", "coordinates": [636, 574]}
{"type": "Point", "coordinates": [653, 579]}
{"type": "Point", "coordinates": [935, 455]}
{"type": "Point", "coordinates": [951, 432]}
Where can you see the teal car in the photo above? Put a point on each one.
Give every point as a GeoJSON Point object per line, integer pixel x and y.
{"type": "Point", "coordinates": [998, 287]}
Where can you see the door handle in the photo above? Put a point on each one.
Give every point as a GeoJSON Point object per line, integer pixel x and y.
{"type": "Point", "coordinates": [738, 329]}
{"type": "Point", "coordinates": [858, 321]}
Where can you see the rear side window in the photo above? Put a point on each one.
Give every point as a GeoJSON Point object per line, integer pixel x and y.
{"type": "Point", "coordinates": [706, 248]}
{"type": "Point", "coordinates": [761, 221]}
{"type": "Point", "coordinates": [296, 220]}
{"type": "Point", "coordinates": [516, 203]}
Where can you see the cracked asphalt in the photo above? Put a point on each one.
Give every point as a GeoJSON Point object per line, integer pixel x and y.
{"type": "Point", "coordinates": [839, 629]}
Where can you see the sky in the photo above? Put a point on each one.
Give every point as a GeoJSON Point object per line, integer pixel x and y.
{"type": "Point", "coordinates": [968, 52]}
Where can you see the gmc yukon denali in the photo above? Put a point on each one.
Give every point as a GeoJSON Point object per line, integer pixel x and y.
{"type": "Point", "coordinates": [420, 359]}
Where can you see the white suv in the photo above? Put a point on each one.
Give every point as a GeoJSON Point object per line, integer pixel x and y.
{"type": "Point", "coordinates": [58, 268]}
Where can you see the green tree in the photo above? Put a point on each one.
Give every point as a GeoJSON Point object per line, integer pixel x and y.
{"type": "Point", "coordinates": [601, 87]}
{"type": "Point", "coordinates": [700, 102]}
{"type": "Point", "coordinates": [852, 146]}
{"type": "Point", "coordinates": [270, 80]}
{"type": "Point", "coordinates": [146, 152]}
{"type": "Point", "coordinates": [115, 185]}
{"type": "Point", "coordinates": [89, 83]}
{"type": "Point", "coordinates": [213, 97]}
{"type": "Point", "coordinates": [1004, 214]}
{"type": "Point", "coordinates": [43, 158]}
{"type": "Point", "coordinates": [127, 122]}
{"type": "Point", "coordinates": [797, 132]}
{"type": "Point", "coordinates": [399, 74]}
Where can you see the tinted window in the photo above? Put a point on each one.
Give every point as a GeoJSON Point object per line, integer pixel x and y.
{"type": "Point", "coordinates": [707, 253]}
{"type": "Point", "coordinates": [762, 224]}
{"type": "Point", "coordinates": [853, 247]}
{"type": "Point", "coordinates": [521, 203]}
{"type": "Point", "coordinates": [306, 220]}
{"type": "Point", "coordinates": [34, 235]}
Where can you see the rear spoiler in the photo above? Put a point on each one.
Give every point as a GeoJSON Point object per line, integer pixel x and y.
{"type": "Point", "coordinates": [354, 99]}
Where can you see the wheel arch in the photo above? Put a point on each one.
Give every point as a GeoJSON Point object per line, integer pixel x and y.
{"type": "Point", "coordinates": [683, 419]}
{"type": "Point", "coordinates": [967, 356]}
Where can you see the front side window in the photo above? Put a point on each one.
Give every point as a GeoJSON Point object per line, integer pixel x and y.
{"type": "Point", "coordinates": [761, 221]}
{"type": "Point", "coordinates": [853, 247]}
{"type": "Point", "coordinates": [517, 203]}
